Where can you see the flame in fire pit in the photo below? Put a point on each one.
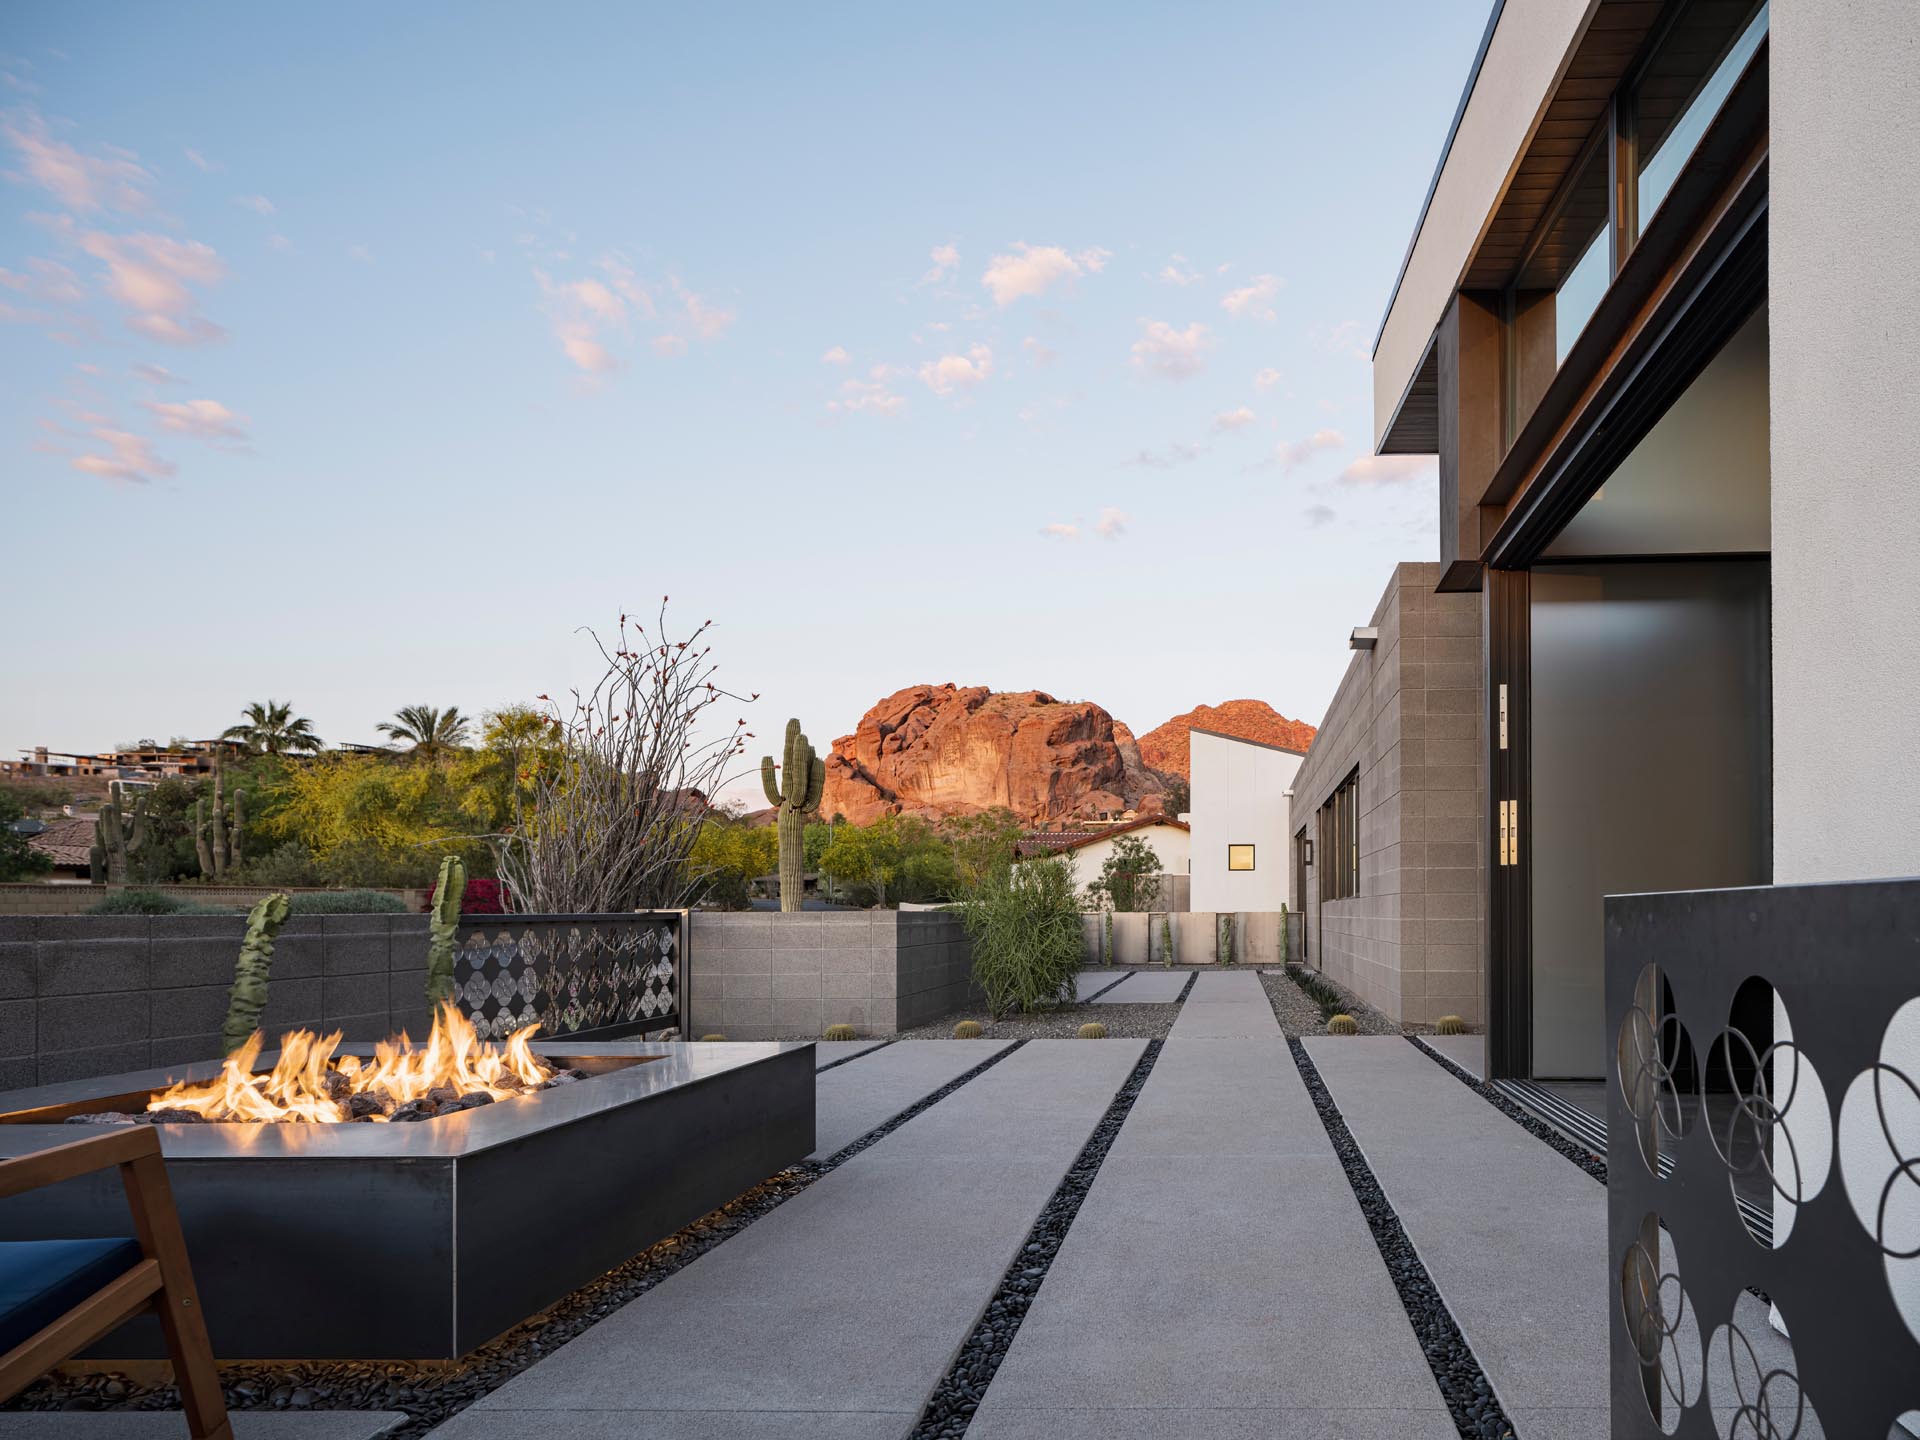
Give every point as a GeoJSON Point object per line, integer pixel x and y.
{"type": "Point", "coordinates": [453, 1070]}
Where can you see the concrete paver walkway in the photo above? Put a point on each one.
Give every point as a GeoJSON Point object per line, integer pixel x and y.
{"type": "Point", "coordinates": [1147, 987]}
{"type": "Point", "coordinates": [828, 1052]}
{"type": "Point", "coordinates": [836, 1314]}
{"type": "Point", "coordinates": [851, 1100]}
{"type": "Point", "coordinates": [1220, 1280]}
{"type": "Point", "coordinates": [1514, 1236]}
{"type": "Point", "coordinates": [1227, 1005]}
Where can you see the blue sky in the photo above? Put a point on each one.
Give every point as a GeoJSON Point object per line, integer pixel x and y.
{"type": "Point", "coordinates": [355, 355]}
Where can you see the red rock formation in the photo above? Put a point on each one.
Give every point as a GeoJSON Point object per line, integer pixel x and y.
{"type": "Point", "coordinates": [1164, 748]}
{"type": "Point", "coordinates": [939, 750]}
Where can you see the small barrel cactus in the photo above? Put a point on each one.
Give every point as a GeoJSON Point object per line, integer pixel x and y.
{"type": "Point", "coordinates": [1449, 1025]}
{"type": "Point", "coordinates": [1093, 1030]}
{"type": "Point", "coordinates": [1342, 1025]}
{"type": "Point", "coordinates": [968, 1030]}
{"type": "Point", "coordinates": [712, 1037]}
{"type": "Point", "coordinates": [838, 1032]}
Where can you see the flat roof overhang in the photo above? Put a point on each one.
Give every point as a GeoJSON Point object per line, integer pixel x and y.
{"type": "Point", "coordinates": [1544, 75]}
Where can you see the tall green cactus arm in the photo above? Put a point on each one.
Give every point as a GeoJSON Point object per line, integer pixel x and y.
{"type": "Point", "coordinates": [796, 751]}
{"type": "Point", "coordinates": [767, 773]}
{"type": "Point", "coordinates": [816, 783]}
{"type": "Point", "coordinates": [442, 924]}
{"type": "Point", "coordinates": [248, 997]}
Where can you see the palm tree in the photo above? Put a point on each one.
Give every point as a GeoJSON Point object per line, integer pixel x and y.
{"type": "Point", "coordinates": [432, 732]}
{"type": "Point", "coordinates": [273, 729]}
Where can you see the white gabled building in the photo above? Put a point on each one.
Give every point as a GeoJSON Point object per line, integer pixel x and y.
{"type": "Point", "coordinates": [1240, 823]}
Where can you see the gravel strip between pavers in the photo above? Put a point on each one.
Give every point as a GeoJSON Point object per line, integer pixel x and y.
{"type": "Point", "coordinates": [1476, 1410]}
{"type": "Point", "coordinates": [431, 1394]}
{"type": "Point", "coordinates": [950, 1408]}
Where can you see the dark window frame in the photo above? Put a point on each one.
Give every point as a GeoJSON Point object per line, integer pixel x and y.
{"type": "Point", "coordinates": [1339, 841]}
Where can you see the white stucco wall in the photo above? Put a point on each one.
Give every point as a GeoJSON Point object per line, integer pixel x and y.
{"type": "Point", "coordinates": [1169, 842]}
{"type": "Point", "coordinates": [1239, 796]}
{"type": "Point", "coordinates": [1844, 172]}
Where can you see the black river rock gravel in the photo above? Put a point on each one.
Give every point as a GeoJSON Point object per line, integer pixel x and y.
{"type": "Point", "coordinates": [950, 1408]}
{"type": "Point", "coordinates": [1476, 1411]}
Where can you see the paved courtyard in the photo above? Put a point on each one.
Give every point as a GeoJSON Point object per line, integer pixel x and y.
{"type": "Point", "coordinates": [1218, 1278]}
{"type": "Point", "coordinates": [1052, 1239]}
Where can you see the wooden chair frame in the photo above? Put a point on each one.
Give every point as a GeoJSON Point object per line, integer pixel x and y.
{"type": "Point", "coordinates": [162, 1280]}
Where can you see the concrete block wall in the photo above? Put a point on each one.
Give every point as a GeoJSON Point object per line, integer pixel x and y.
{"type": "Point", "coordinates": [761, 976]}
{"type": "Point", "coordinates": [84, 995]}
{"type": "Point", "coordinates": [1408, 715]}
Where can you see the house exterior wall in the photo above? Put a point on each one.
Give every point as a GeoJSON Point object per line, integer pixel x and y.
{"type": "Point", "coordinates": [1239, 792]}
{"type": "Point", "coordinates": [1844, 161]}
{"type": "Point", "coordinates": [1408, 717]}
{"type": "Point", "coordinates": [1169, 842]}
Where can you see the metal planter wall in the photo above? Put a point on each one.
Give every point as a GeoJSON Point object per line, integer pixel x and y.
{"type": "Point", "coordinates": [1764, 1099]}
{"type": "Point", "coordinates": [591, 977]}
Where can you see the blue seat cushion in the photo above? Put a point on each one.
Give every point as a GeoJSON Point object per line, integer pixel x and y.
{"type": "Point", "coordinates": [40, 1280]}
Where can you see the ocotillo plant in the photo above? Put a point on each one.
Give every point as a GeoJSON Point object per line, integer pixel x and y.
{"type": "Point", "coordinates": [216, 827]}
{"type": "Point", "coordinates": [248, 997]}
{"type": "Point", "coordinates": [442, 923]}
{"type": "Point", "coordinates": [795, 788]}
{"type": "Point", "coordinates": [117, 837]}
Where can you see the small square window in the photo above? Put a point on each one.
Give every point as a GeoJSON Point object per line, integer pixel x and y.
{"type": "Point", "coordinates": [1239, 857]}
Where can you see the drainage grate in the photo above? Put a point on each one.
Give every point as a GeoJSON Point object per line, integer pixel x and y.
{"type": "Point", "coordinates": [1476, 1410]}
{"type": "Point", "coordinates": [949, 1410]}
{"type": "Point", "coordinates": [1590, 1158]}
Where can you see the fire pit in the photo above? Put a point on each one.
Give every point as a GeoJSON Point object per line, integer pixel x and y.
{"type": "Point", "coordinates": [321, 1233]}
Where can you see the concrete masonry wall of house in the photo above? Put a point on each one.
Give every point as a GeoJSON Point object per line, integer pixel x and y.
{"type": "Point", "coordinates": [1408, 717]}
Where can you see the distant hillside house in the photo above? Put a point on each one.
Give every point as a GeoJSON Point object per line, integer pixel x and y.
{"type": "Point", "coordinates": [137, 762]}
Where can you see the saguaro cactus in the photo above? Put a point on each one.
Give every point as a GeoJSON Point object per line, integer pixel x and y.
{"type": "Point", "coordinates": [249, 994]}
{"type": "Point", "coordinates": [442, 924]}
{"type": "Point", "coordinates": [216, 827]}
{"type": "Point", "coordinates": [795, 788]}
{"type": "Point", "coordinates": [117, 837]}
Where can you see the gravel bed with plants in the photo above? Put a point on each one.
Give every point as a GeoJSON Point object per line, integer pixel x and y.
{"type": "Point", "coordinates": [1303, 1001]}
{"type": "Point", "coordinates": [1123, 1022]}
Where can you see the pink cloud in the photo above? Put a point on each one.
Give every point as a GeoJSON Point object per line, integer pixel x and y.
{"type": "Point", "coordinates": [957, 372]}
{"type": "Point", "coordinates": [207, 419]}
{"type": "Point", "coordinates": [1169, 353]}
{"type": "Point", "coordinates": [127, 458]}
{"type": "Point", "coordinates": [1389, 469]}
{"type": "Point", "coordinates": [1033, 269]}
{"type": "Point", "coordinates": [112, 179]}
{"type": "Point", "coordinates": [151, 276]}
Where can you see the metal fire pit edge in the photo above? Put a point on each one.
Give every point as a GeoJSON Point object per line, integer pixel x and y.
{"type": "Point", "coordinates": [424, 1241]}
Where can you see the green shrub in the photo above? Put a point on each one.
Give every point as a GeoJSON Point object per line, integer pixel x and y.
{"type": "Point", "coordinates": [1025, 927]}
{"type": "Point", "coordinates": [149, 902]}
{"type": "Point", "coordinates": [1342, 1025]}
{"type": "Point", "coordinates": [347, 902]}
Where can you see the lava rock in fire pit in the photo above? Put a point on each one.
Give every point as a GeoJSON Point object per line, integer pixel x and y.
{"type": "Point", "coordinates": [413, 1110]}
{"type": "Point", "coordinates": [366, 1104]}
{"type": "Point", "coordinates": [472, 1100]}
{"type": "Point", "coordinates": [564, 1077]}
{"type": "Point", "coordinates": [103, 1117]}
{"type": "Point", "coordinates": [175, 1117]}
{"type": "Point", "coordinates": [442, 1095]}
{"type": "Point", "coordinates": [337, 1086]}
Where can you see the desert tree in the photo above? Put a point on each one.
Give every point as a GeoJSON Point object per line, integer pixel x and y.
{"type": "Point", "coordinates": [271, 728]}
{"type": "Point", "coordinates": [432, 732]}
{"type": "Point", "coordinates": [626, 778]}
